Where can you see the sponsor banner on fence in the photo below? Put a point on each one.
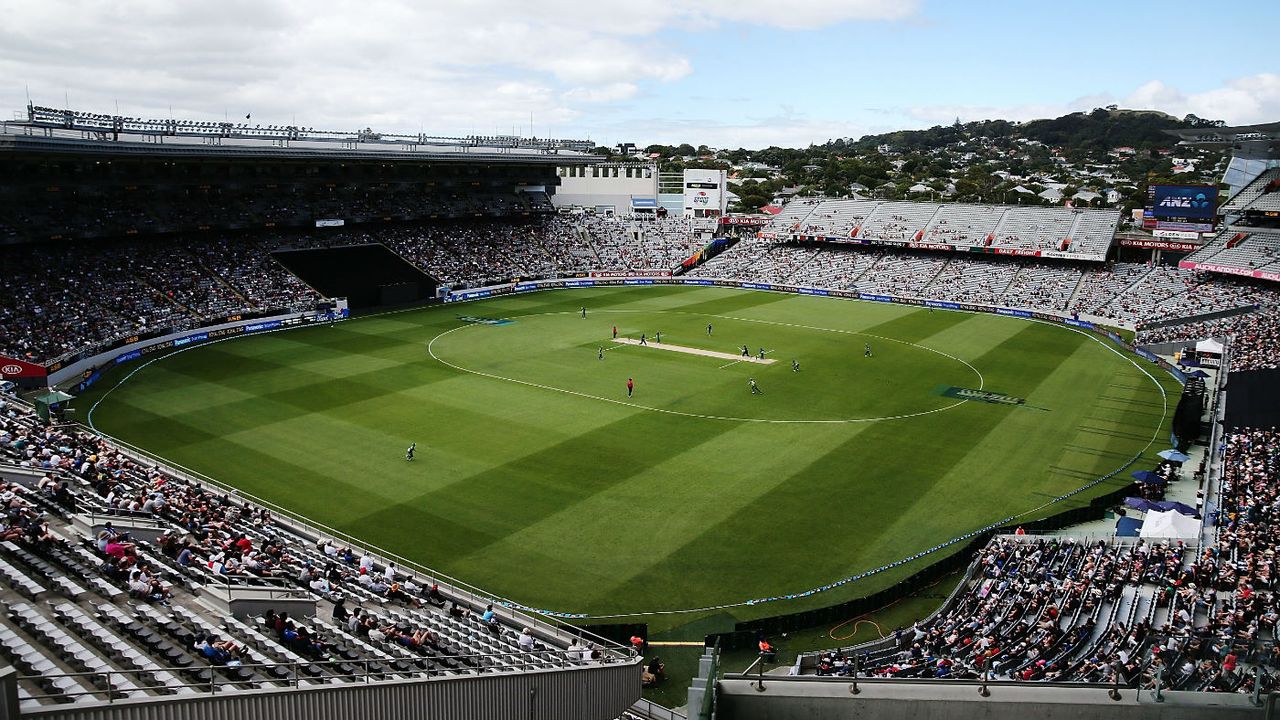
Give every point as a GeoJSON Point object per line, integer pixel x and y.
{"type": "Point", "coordinates": [1177, 235]}
{"type": "Point", "coordinates": [1020, 252]}
{"type": "Point", "coordinates": [1013, 312]}
{"type": "Point", "coordinates": [629, 273]}
{"type": "Point", "coordinates": [156, 347]}
{"type": "Point", "coordinates": [1230, 270]}
{"type": "Point", "coordinates": [15, 368]}
{"type": "Point", "coordinates": [1161, 244]}
{"type": "Point", "coordinates": [179, 342]}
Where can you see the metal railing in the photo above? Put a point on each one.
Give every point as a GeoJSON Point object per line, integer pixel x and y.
{"type": "Point", "coordinates": [653, 711]}
{"type": "Point", "coordinates": [708, 709]}
{"type": "Point", "coordinates": [114, 685]}
{"type": "Point", "coordinates": [1156, 690]}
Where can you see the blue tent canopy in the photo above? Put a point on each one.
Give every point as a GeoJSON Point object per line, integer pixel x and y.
{"type": "Point", "coordinates": [1138, 503]}
{"type": "Point", "coordinates": [1128, 527]}
{"type": "Point", "coordinates": [1180, 508]}
{"type": "Point", "coordinates": [1146, 476]}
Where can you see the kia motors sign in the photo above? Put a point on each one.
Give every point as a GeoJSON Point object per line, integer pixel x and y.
{"type": "Point", "coordinates": [1158, 245]}
{"type": "Point", "coordinates": [15, 368]}
{"type": "Point", "coordinates": [630, 273]}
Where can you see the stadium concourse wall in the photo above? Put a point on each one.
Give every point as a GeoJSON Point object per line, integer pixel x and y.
{"type": "Point", "coordinates": [743, 697]}
{"type": "Point", "coordinates": [603, 692]}
{"type": "Point", "coordinates": [1199, 317]}
{"type": "Point", "coordinates": [79, 374]}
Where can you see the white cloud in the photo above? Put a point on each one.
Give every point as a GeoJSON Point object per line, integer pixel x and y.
{"type": "Point", "coordinates": [1239, 101]}
{"type": "Point", "coordinates": [785, 129]}
{"type": "Point", "coordinates": [795, 15]}
{"type": "Point", "coordinates": [449, 67]}
{"type": "Point", "coordinates": [610, 92]}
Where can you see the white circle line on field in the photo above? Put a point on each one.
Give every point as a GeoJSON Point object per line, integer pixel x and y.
{"type": "Point", "coordinates": [833, 421]}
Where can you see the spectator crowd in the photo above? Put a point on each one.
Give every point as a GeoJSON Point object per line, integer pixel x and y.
{"type": "Point", "coordinates": [68, 297]}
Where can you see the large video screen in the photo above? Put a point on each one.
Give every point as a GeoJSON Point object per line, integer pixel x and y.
{"type": "Point", "coordinates": [1183, 202]}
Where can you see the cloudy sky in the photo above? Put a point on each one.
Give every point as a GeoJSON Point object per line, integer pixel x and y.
{"type": "Point", "coordinates": [722, 72]}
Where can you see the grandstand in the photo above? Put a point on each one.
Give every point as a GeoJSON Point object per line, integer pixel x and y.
{"type": "Point", "coordinates": [1121, 612]}
{"type": "Point", "coordinates": [1083, 234]}
{"type": "Point", "coordinates": [1239, 250]}
{"type": "Point", "coordinates": [962, 225]}
{"type": "Point", "coordinates": [176, 609]}
{"type": "Point", "coordinates": [1262, 187]}
{"type": "Point", "coordinates": [120, 572]}
{"type": "Point", "coordinates": [131, 287]}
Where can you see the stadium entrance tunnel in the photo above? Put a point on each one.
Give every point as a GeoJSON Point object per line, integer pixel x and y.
{"type": "Point", "coordinates": [369, 276]}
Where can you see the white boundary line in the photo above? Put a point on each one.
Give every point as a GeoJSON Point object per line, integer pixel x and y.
{"type": "Point", "coordinates": [1155, 435]}
{"type": "Point", "coordinates": [579, 616]}
{"type": "Point", "coordinates": [833, 421]}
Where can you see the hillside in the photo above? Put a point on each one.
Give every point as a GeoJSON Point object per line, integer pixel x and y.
{"type": "Point", "coordinates": [1097, 130]}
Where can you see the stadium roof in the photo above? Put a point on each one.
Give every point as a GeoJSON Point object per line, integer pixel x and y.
{"type": "Point", "coordinates": [10, 142]}
{"type": "Point", "coordinates": [1266, 132]}
{"type": "Point", "coordinates": [54, 130]}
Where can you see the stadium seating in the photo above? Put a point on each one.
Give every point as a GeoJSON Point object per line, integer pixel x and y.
{"type": "Point", "coordinates": [901, 274]}
{"type": "Point", "coordinates": [129, 616]}
{"type": "Point", "coordinates": [1167, 292]}
{"type": "Point", "coordinates": [794, 215]}
{"type": "Point", "coordinates": [959, 282]}
{"type": "Point", "coordinates": [1117, 611]}
{"type": "Point", "coordinates": [1242, 248]}
{"type": "Point", "coordinates": [963, 224]}
{"type": "Point", "coordinates": [1043, 286]}
{"type": "Point", "coordinates": [1247, 196]}
{"type": "Point", "coordinates": [1034, 227]}
{"type": "Point", "coordinates": [837, 218]}
{"type": "Point", "coordinates": [1255, 336]}
{"type": "Point", "coordinates": [1077, 231]}
{"type": "Point", "coordinates": [760, 261]}
{"type": "Point", "coordinates": [897, 221]}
